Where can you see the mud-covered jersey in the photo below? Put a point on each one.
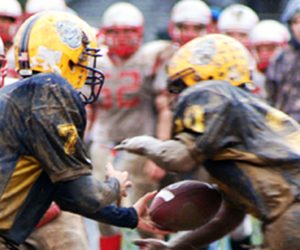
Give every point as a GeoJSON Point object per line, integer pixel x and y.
{"type": "Point", "coordinates": [126, 104]}
{"type": "Point", "coordinates": [249, 147]}
{"type": "Point", "coordinates": [41, 126]}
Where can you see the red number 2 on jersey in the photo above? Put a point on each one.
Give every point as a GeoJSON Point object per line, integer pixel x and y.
{"type": "Point", "coordinates": [126, 94]}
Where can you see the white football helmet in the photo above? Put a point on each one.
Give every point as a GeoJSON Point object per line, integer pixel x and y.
{"type": "Point", "coordinates": [122, 29]}
{"type": "Point", "coordinates": [266, 37]}
{"type": "Point", "coordinates": [11, 11]}
{"type": "Point", "coordinates": [237, 17]}
{"type": "Point", "coordinates": [269, 31]}
{"type": "Point", "coordinates": [34, 6]}
{"type": "Point", "coordinates": [237, 20]}
{"type": "Point", "coordinates": [189, 19]}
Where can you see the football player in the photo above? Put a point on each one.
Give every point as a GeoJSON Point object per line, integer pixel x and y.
{"type": "Point", "coordinates": [10, 17]}
{"type": "Point", "coordinates": [237, 21]}
{"type": "Point", "coordinates": [42, 157]}
{"type": "Point", "coordinates": [250, 149]}
{"type": "Point", "coordinates": [267, 38]}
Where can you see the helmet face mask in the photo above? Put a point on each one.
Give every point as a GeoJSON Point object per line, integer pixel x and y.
{"type": "Point", "coordinates": [123, 41]}
{"type": "Point", "coordinates": [266, 37]}
{"type": "Point", "coordinates": [184, 32]}
{"type": "Point", "coordinates": [10, 18]}
{"type": "Point", "coordinates": [122, 29]}
{"type": "Point", "coordinates": [67, 51]}
{"type": "Point", "coordinates": [211, 57]}
{"type": "Point", "coordinates": [189, 19]}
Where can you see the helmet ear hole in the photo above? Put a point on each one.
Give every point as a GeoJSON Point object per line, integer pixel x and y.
{"type": "Point", "coordinates": [71, 65]}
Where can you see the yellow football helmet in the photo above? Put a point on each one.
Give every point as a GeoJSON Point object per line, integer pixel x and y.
{"type": "Point", "coordinates": [211, 57]}
{"type": "Point", "coordinates": [62, 43]}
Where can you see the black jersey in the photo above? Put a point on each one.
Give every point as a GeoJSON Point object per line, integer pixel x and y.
{"type": "Point", "coordinates": [41, 128]}
{"type": "Point", "coordinates": [250, 148]}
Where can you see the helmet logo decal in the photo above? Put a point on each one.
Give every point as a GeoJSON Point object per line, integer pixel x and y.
{"type": "Point", "coordinates": [203, 53]}
{"type": "Point", "coordinates": [69, 33]}
{"type": "Point", "coordinates": [46, 58]}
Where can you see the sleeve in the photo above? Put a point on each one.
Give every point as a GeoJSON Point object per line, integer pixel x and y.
{"type": "Point", "coordinates": [56, 128]}
{"type": "Point", "coordinates": [91, 198]}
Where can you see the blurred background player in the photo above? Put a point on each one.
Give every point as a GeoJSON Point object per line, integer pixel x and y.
{"type": "Point", "coordinates": [126, 106]}
{"type": "Point", "coordinates": [34, 6]}
{"type": "Point", "coordinates": [237, 21]}
{"type": "Point", "coordinates": [267, 38]}
{"type": "Point", "coordinates": [10, 19]}
{"type": "Point", "coordinates": [283, 73]}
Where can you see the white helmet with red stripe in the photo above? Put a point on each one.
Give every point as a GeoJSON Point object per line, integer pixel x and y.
{"type": "Point", "coordinates": [122, 29]}
{"type": "Point", "coordinates": [266, 37]}
{"type": "Point", "coordinates": [10, 13]}
{"type": "Point", "coordinates": [194, 15]}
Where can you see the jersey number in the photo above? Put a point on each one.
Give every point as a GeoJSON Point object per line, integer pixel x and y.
{"type": "Point", "coordinates": [132, 86]}
{"type": "Point", "coordinates": [69, 132]}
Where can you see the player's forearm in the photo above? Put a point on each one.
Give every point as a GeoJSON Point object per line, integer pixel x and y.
{"type": "Point", "coordinates": [224, 222]}
{"type": "Point", "coordinates": [178, 155]}
{"type": "Point", "coordinates": [117, 216]}
{"type": "Point", "coordinates": [172, 155]}
{"type": "Point", "coordinates": [86, 194]}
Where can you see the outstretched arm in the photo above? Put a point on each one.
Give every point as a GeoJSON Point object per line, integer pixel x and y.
{"type": "Point", "coordinates": [89, 197]}
{"type": "Point", "coordinates": [172, 155]}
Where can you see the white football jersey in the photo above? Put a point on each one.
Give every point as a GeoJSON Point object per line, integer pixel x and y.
{"type": "Point", "coordinates": [126, 104]}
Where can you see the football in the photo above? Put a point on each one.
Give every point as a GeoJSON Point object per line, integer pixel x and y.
{"type": "Point", "coordinates": [185, 205]}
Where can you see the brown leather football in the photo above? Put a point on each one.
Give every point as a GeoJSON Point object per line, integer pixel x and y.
{"type": "Point", "coordinates": [185, 205]}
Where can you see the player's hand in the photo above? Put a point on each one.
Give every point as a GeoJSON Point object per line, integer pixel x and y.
{"type": "Point", "coordinates": [145, 223]}
{"type": "Point", "coordinates": [121, 176]}
{"type": "Point", "coordinates": [152, 244]}
{"type": "Point", "coordinates": [137, 144]}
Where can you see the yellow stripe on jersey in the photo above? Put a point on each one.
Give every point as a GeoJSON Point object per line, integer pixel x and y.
{"type": "Point", "coordinates": [27, 171]}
